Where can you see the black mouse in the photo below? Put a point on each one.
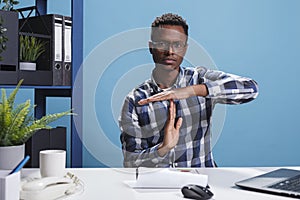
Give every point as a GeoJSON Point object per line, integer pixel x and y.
{"type": "Point", "coordinates": [196, 192]}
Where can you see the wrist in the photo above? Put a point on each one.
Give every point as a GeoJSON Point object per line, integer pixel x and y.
{"type": "Point", "coordinates": [162, 150]}
{"type": "Point", "coordinates": [200, 90]}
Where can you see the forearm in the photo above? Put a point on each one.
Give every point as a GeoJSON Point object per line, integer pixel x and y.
{"type": "Point", "coordinates": [178, 93]}
{"type": "Point", "coordinates": [200, 90]}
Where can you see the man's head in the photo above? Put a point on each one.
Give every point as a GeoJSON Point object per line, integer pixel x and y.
{"type": "Point", "coordinates": [169, 35]}
{"type": "Point", "coordinates": [169, 19]}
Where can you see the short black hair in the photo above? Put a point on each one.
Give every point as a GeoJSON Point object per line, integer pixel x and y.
{"type": "Point", "coordinates": [171, 19]}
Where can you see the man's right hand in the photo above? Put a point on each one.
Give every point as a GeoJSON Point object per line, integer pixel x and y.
{"type": "Point", "coordinates": [171, 131]}
{"type": "Point", "coordinates": [178, 93]}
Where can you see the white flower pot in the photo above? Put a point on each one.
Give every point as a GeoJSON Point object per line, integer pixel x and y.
{"type": "Point", "coordinates": [10, 156]}
{"type": "Point", "coordinates": [29, 66]}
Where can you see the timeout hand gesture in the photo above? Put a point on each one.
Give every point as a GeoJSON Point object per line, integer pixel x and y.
{"type": "Point", "coordinates": [178, 93]}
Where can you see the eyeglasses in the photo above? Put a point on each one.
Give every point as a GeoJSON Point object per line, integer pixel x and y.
{"type": "Point", "coordinates": [176, 46]}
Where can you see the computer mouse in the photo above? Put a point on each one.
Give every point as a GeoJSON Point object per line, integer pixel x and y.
{"type": "Point", "coordinates": [196, 192]}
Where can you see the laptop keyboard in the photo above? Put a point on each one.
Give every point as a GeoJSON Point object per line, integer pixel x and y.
{"type": "Point", "coordinates": [291, 184]}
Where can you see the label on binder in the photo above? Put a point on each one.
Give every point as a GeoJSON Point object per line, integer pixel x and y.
{"type": "Point", "coordinates": [68, 43]}
{"type": "Point", "coordinates": [58, 42]}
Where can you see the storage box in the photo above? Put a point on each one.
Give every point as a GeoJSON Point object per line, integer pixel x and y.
{"type": "Point", "coordinates": [9, 185]}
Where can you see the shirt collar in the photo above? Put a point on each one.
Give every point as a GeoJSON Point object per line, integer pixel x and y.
{"type": "Point", "coordinates": [176, 84]}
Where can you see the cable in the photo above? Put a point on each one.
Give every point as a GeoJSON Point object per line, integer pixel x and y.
{"type": "Point", "coordinates": [77, 190]}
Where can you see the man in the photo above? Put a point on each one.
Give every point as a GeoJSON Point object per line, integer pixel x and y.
{"type": "Point", "coordinates": [166, 121]}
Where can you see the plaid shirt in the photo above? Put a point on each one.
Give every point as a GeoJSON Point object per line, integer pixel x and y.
{"type": "Point", "coordinates": [142, 127]}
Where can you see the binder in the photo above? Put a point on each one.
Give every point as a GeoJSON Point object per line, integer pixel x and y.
{"type": "Point", "coordinates": [57, 65]}
{"type": "Point", "coordinates": [67, 51]}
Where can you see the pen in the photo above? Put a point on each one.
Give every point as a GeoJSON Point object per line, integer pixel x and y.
{"type": "Point", "coordinates": [20, 165]}
{"type": "Point", "coordinates": [136, 173]}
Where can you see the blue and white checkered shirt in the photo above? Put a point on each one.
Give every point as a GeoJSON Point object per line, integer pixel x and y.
{"type": "Point", "coordinates": [142, 127]}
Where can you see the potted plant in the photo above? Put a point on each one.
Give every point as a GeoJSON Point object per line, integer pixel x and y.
{"type": "Point", "coordinates": [30, 50]}
{"type": "Point", "coordinates": [3, 38]}
{"type": "Point", "coordinates": [17, 125]}
{"type": "Point", "coordinates": [9, 37]}
{"type": "Point", "coordinates": [8, 4]}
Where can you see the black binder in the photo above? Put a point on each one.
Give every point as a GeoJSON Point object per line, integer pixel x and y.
{"type": "Point", "coordinates": [57, 62]}
{"type": "Point", "coordinates": [67, 53]}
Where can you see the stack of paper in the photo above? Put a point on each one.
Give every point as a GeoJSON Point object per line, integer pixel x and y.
{"type": "Point", "coordinates": [166, 178]}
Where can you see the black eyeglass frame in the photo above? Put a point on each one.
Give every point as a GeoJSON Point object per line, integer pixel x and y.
{"type": "Point", "coordinates": [164, 45]}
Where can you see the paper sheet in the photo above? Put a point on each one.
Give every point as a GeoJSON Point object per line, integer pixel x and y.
{"type": "Point", "coordinates": [166, 178]}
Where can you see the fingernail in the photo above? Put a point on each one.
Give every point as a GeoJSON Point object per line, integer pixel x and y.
{"type": "Point", "coordinates": [141, 102]}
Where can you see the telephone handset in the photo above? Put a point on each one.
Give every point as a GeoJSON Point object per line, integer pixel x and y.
{"type": "Point", "coordinates": [47, 188]}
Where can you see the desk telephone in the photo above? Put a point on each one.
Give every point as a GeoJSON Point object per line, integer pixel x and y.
{"type": "Point", "coordinates": [49, 188]}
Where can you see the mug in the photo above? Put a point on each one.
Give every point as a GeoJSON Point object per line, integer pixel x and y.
{"type": "Point", "coordinates": [52, 163]}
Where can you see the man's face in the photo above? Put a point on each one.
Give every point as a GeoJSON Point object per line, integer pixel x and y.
{"type": "Point", "coordinates": [168, 46]}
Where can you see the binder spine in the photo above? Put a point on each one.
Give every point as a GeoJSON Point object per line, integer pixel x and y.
{"type": "Point", "coordinates": [57, 50]}
{"type": "Point", "coordinates": [67, 53]}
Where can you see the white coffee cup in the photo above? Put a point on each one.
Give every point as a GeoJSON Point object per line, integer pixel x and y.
{"type": "Point", "coordinates": [52, 163]}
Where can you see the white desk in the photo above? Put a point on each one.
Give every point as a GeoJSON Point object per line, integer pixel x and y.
{"type": "Point", "coordinates": [107, 183]}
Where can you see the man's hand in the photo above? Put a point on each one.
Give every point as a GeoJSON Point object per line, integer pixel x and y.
{"type": "Point", "coordinates": [171, 131]}
{"type": "Point", "coordinates": [179, 93]}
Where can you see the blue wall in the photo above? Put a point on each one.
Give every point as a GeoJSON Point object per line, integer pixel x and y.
{"type": "Point", "coordinates": [62, 7]}
{"type": "Point", "coordinates": [252, 38]}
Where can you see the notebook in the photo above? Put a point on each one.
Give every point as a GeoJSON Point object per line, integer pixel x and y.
{"type": "Point", "coordinates": [282, 181]}
{"type": "Point", "coordinates": [166, 178]}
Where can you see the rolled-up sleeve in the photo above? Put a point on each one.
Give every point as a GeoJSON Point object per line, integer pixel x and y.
{"type": "Point", "coordinates": [228, 88]}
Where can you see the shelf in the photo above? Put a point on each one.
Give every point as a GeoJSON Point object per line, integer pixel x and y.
{"type": "Point", "coordinates": [43, 91]}
{"type": "Point", "coordinates": [40, 80]}
{"type": "Point", "coordinates": [35, 35]}
{"type": "Point", "coordinates": [38, 87]}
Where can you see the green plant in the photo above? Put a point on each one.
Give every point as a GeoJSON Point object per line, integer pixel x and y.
{"type": "Point", "coordinates": [31, 48]}
{"type": "Point", "coordinates": [17, 123]}
{"type": "Point", "coordinates": [3, 38]}
{"type": "Point", "coordinates": [9, 4]}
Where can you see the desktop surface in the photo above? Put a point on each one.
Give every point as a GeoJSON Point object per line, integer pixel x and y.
{"type": "Point", "coordinates": [108, 183]}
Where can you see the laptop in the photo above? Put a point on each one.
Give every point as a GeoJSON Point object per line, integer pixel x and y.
{"type": "Point", "coordinates": [285, 182]}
